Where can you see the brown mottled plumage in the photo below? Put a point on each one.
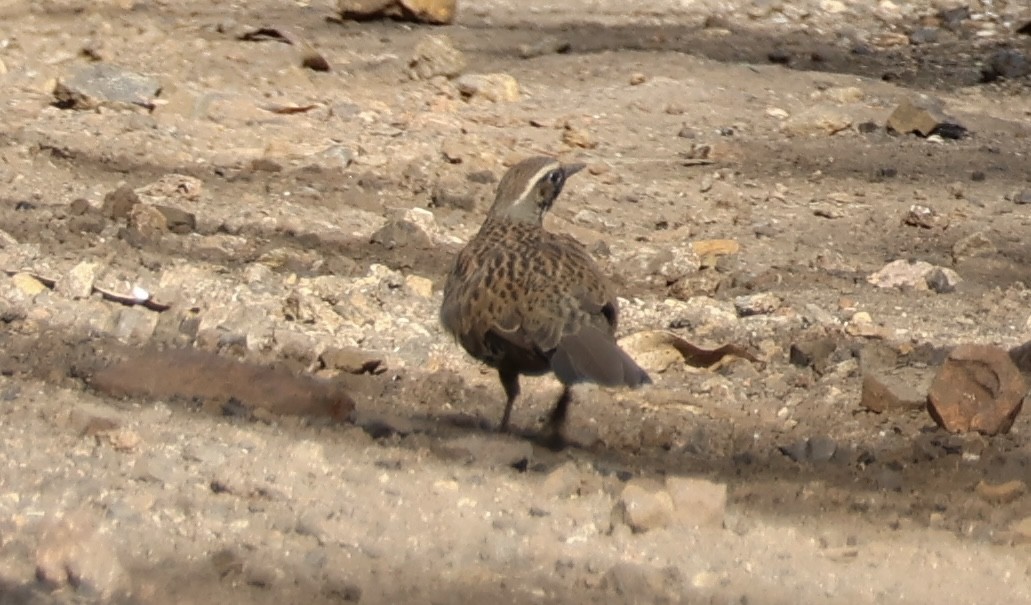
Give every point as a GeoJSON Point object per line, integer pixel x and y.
{"type": "Point", "coordinates": [527, 301]}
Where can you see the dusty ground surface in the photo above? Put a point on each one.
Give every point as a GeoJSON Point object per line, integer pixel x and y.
{"type": "Point", "coordinates": [122, 487]}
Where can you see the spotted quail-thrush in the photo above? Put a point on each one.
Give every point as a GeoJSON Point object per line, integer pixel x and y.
{"type": "Point", "coordinates": [528, 301]}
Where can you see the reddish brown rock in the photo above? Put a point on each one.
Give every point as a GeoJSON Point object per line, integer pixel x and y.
{"type": "Point", "coordinates": [1001, 493]}
{"type": "Point", "coordinates": [977, 389]}
{"type": "Point", "coordinates": [217, 382]}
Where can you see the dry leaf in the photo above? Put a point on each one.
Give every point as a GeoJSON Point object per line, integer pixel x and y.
{"type": "Point", "coordinates": [310, 58]}
{"type": "Point", "coordinates": [658, 350]}
{"type": "Point", "coordinates": [289, 109]}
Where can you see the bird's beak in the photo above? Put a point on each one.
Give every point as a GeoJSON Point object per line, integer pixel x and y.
{"type": "Point", "coordinates": [571, 169]}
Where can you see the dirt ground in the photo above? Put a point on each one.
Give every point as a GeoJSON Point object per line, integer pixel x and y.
{"type": "Point", "coordinates": [326, 207]}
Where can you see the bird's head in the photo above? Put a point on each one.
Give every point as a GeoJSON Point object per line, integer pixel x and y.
{"type": "Point", "coordinates": [529, 189]}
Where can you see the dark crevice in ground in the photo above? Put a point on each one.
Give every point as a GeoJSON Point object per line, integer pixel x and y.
{"type": "Point", "coordinates": [943, 66]}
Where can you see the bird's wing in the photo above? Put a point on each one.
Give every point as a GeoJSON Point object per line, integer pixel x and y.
{"type": "Point", "coordinates": [578, 332]}
{"type": "Point", "coordinates": [567, 294]}
{"type": "Point", "coordinates": [487, 323]}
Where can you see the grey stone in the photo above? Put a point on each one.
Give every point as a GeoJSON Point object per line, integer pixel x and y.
{"type": "Point", "coordinates": [496, 87]}
{"type": "Point", "coordinates": [666, 264]}
{"type": "Point", "coordinates": [1008, 63]}
{"type": "Point", "coordinates": [1022, 197]}
{"type": "Point", "coordinates": [452, 192]}
{"type": "Point", "coordinates": [146, 223]}
{"type": "Point", "coordinates": [401, 233]}
{"type": "Point", "coordinates": [643, 506]}
{"type": "Point", "coordinates": [757, 304]}
{"type": "Point", "coordinates": [697, 502]}
{"type": "Point", "coordinates": [953, 18]}
{"type": "Point", "coordinates": [822, 448]}
{"type": "Point", "coordinates": [814, 353]}
{"type": "Point", "coordinates": [351, 360]}
{"type": "Point", "coordinates": [562, 482]}
{"type": "Point", "coordinates": [917, 275]}
{"type": "Point", "coordinates": [118, 204]}
{"type": "Point", "coordinates": [436, 56]}
{"type": "Point", "coordinates": [545, 45]}
{"type": "Point", "coordinates": [178, 221]}
{"type": "Point", "coordinates": [136, 325]}
{"type": "Point", "coordinates": [924, 217]}
{"type": "Point", "coordinates": [815, 449]}
{"type": "Point", "coordinates": [336, 157]}
{"type": "Point", "coordinates": [924, 35]}
{"type": "Point", "coordinates": [942, 280]}
{"type": "Point", "coordinates": [885, 392]}
{"type": "Point", "coordinates": [105, 84]}
{"type": "Point", "coordinates": [973, 245]}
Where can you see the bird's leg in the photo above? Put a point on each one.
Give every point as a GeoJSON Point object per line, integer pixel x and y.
{"type": "Point", "coordinates": [510, 381]}
{"type": "Point", "coordinates": [555, 438]}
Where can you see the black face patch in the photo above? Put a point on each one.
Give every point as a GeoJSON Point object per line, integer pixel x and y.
{"type": "Point", "coordinates": [550, 186]}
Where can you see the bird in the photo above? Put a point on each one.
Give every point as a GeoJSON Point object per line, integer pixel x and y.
{"type": "Point", "coordinates": [528, 301]}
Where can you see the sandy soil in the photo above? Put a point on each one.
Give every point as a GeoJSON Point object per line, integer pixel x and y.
{"type": "Point", "coordinates": [326, 207]}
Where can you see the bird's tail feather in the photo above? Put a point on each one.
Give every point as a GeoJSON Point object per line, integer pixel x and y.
{"type": "Point", "coordinates": [591, 355]}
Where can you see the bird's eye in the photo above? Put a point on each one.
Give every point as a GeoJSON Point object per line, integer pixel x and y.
{"type": "Point", "coordinates": [555, 176]}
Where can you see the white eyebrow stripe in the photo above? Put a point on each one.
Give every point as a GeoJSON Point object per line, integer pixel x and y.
{"type": "Point", "coordinates": [532, 182]}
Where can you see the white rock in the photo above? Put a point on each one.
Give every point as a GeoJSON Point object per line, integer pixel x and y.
{"type": "Point", "coordinates": [27, 284]}
{"type": "Point", "coordinates": [643, 506]}
{"type": "Point", "coordinates": [918, 275]}
{"type": "Point", "coordinates": [902, 274]}
{"type": "Point", "coordinates": [497, 88]}
{"type": "Point", "coordinates": [697, 502]}
{"type": "Point", "coordinates": [757, 304]}
{"type": "Point", "coordinates": [844, 94]}
{"type": "Point", "coordinates": [833, 7]}
{"type": "Point", "coordinates": [424, 219]}
{"type": "Point", "coordinates": [419, 285]}
{"type": "Point", "coordinates": [78, 282]}
{"type": "Point", "coordinates": [817, 121]}
{"type": "Point", "coordinates": [436, 56]}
